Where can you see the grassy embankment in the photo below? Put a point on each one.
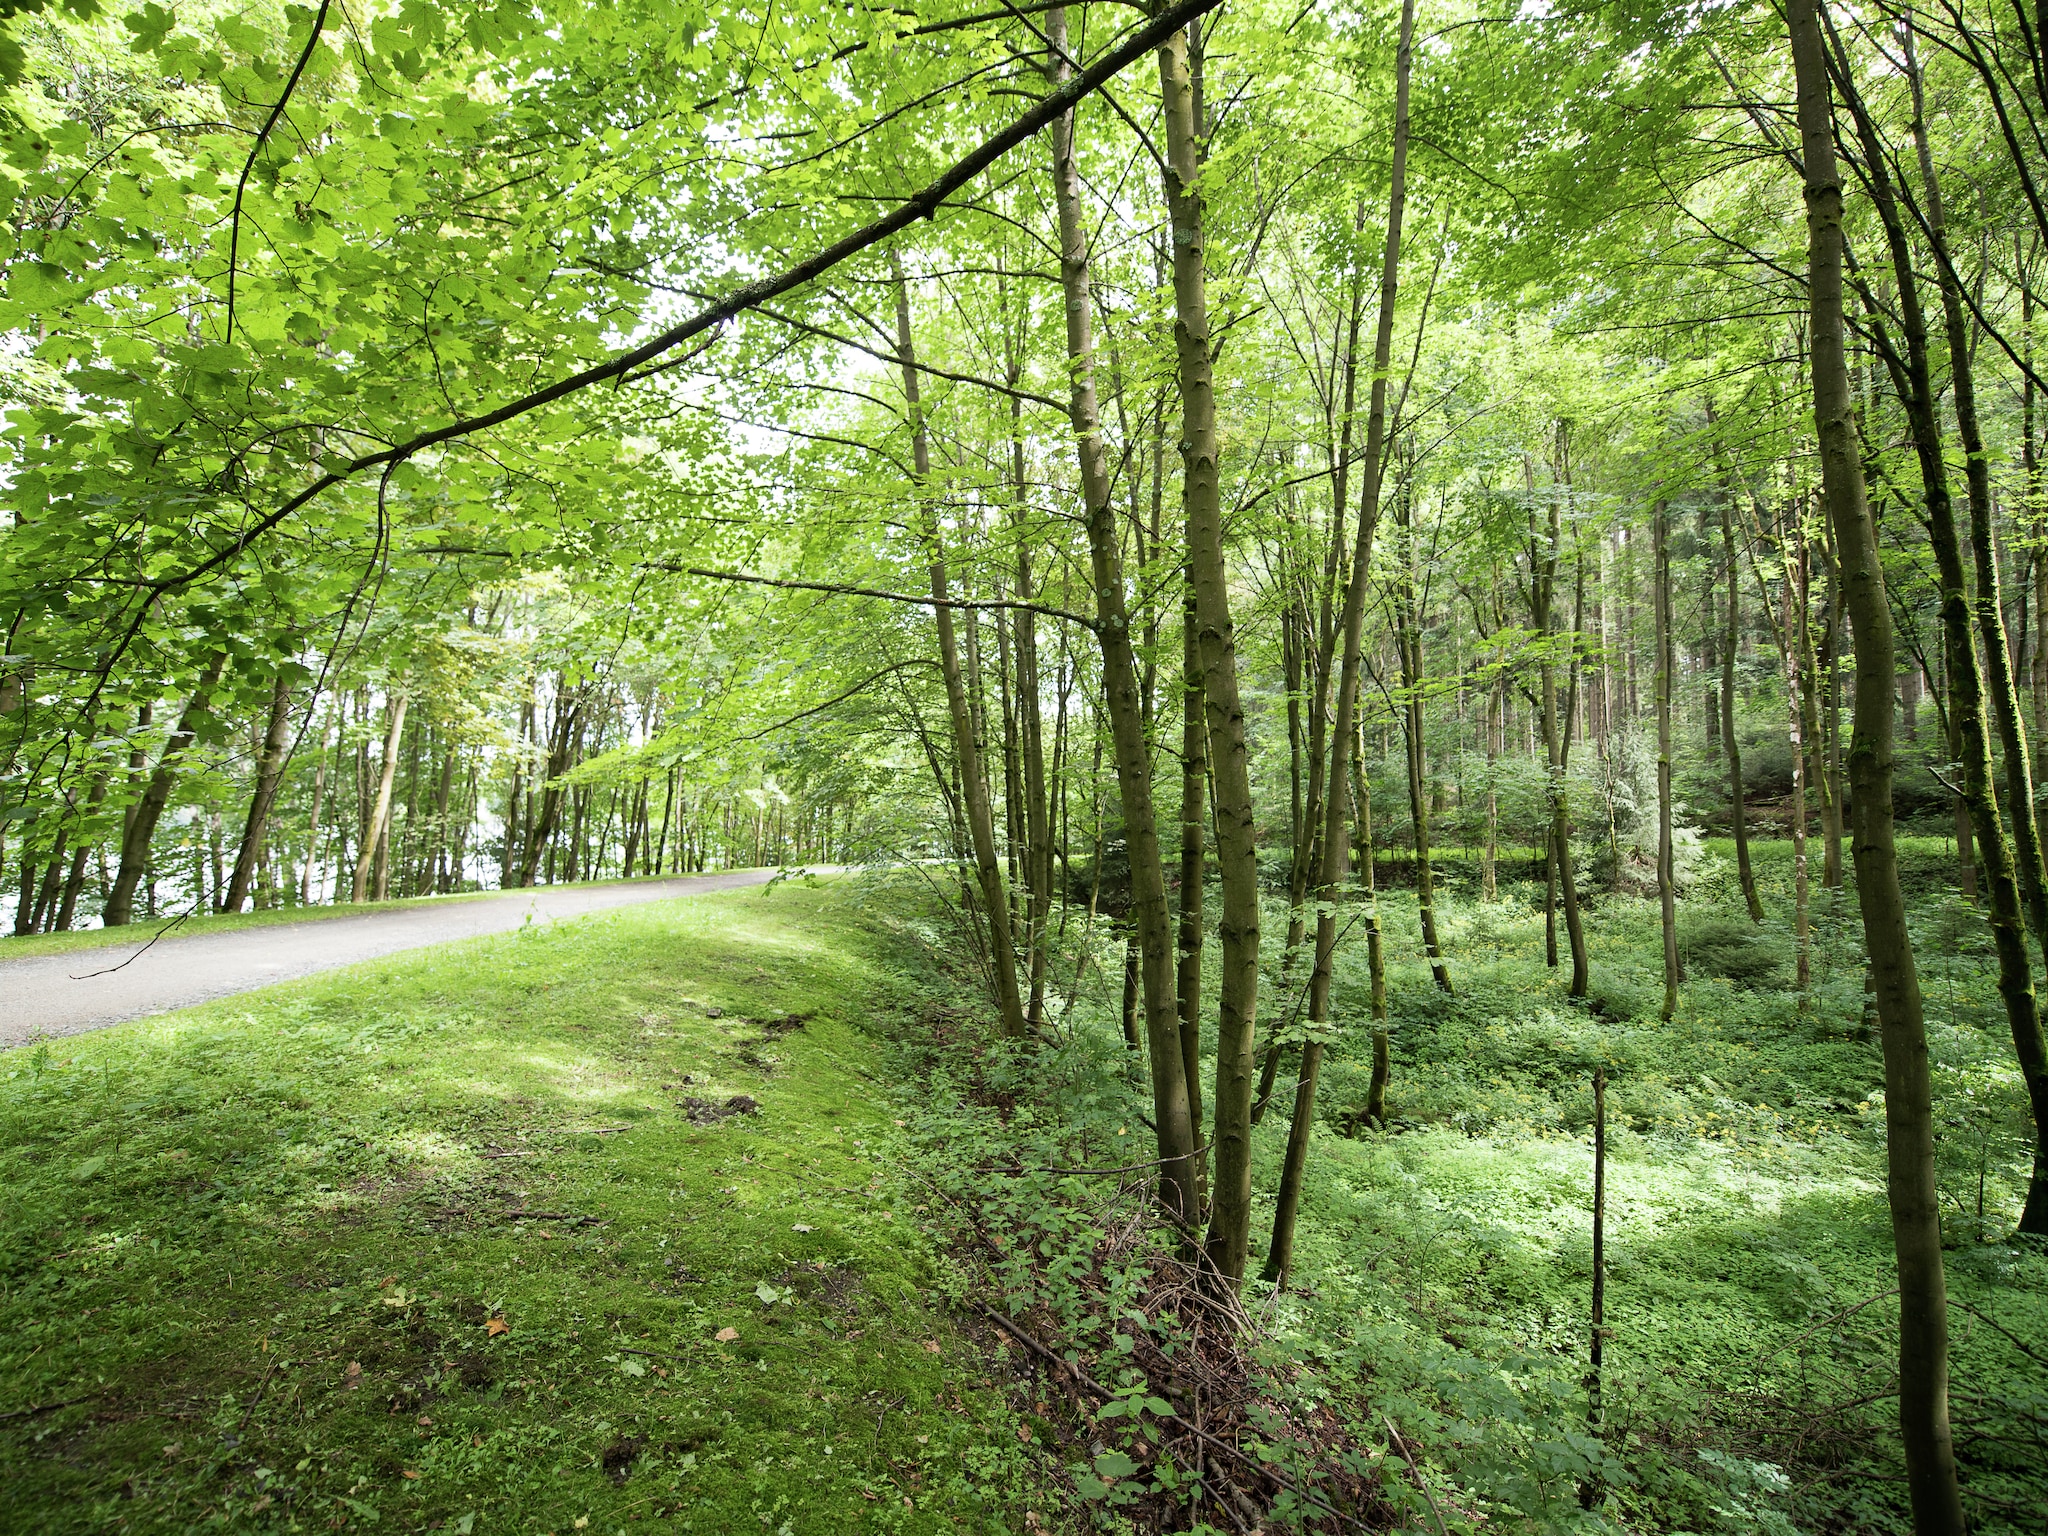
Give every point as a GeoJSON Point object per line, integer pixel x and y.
{"type": "Point", "coordinates": [434, 1243]}
{"type": "Point", "coordinates": [172, 925]}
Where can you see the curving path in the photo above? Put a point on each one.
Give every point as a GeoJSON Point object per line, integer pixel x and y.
{"type": "Point", "coordinates": [81, 989]}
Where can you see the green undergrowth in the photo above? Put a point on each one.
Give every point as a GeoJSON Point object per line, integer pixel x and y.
{"type": "Point", "coordinates": [435, 1243]}
{"type": "Point", "coordinates": [174, 925]}
{"type": "Point", "coordinates": [1748, 1372]}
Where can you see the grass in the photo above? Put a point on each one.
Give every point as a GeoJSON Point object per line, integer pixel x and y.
{"type": "Point", "coordinates": [429, 1244]}
{"type": "Point", "coordinates": [21, 946]}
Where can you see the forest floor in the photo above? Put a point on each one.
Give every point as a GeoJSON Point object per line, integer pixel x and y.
{"type": "Point", "coordinates": [465, 1239]}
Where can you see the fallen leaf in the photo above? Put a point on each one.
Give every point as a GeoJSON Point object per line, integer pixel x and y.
{"type": "Point", "coordinates": [931, 1346]}
{"type": "Point", "coordinates": [923, 1439]}
{"type": "Point", "coordinates": [582, 1521]}
{"type": "Point", "coordinates": [387, 1282]}
{"type": "Point", "coordinates": [800, 1227]}
{"type": "Point", "coordinates": [477, 1441]}
{"type": "Point", "coordinates": [173, 1448]}
{"type": "Point", "coordinates": [726, 1335]}
{"type": "Point", "coordinates": [899, 1122]}
{"type": "Point", "coordinates": [496, 1326]}
{"type": "Point", "coordinates": [352, 1377]}
{"type": "Point", "coordinates": [1023, 1434]}
{"type": "Point", "coordinates": [411, 1477]}
{"type": "Point", "coordinates": [425, 1420]}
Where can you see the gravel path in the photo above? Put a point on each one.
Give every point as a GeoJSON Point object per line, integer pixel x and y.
{"type": "Point", "coordinates": [82, 989]}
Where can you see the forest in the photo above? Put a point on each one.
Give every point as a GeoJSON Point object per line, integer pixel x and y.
{"type": "Point", "coordinates": [1382, 659]}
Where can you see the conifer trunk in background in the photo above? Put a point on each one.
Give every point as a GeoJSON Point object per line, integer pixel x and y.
{"type": "Point", "coordinates": [1909, 1120]}
{"type": "Point", "coordinates": [269, 772]}
{"type": "Point", "coordinates": [144, 814]}
{"type": "Point", "coordinates": [981, 833]}
{"type": "Point", "coordinates": [1343, 733]}
{"type": "Point", "coordinates": [1236, 834]}
{"type": "Point", "coordinates": [1660, 535]}
{"type": "Point", "coordinates": [376, 830]}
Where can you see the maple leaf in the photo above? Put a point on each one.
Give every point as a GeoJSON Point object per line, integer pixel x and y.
{"type": "Point", "coordinates": [496, 1326]}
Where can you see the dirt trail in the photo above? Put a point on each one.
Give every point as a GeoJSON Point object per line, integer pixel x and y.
{"type": "Point", "coordinates": [76, 990]}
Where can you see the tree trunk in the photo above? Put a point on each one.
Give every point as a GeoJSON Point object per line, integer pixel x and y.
{"type": "Point", "coordinates": [973, 786]}
{"type": "Point", "coordinates": [142, 820]}
{"type": "Point", "coordinates": [377, 832]}
{"type": "Point", "coordinates": [1151, 961]}
{"type": "Point", "coordinates": [1667, 906]}
{"type": "Point", "coordinates": [1408, 641]}
{"type": "Point", "coordinates": [269, 774]}
{"type": "Point", "coordinates": [1229, 759]}
{"type": "Point", "coordinates": [1909, 1120]}
{"type": "Point", "coordinates": [540, 828]}
{"type": "Point", "coordinates": [1737, 806]}
{"type": "Point", "coordinates": [1966, 682]}
{"type": "Point", "coordinates": [1335, 844]}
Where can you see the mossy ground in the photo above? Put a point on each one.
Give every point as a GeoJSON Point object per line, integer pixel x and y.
{"type": "Point", "coordinates": [269, 1253]}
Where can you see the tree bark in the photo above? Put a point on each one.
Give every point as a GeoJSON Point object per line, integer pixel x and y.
{"type": "Point", "coordinates": [378, 827]}
{"type": "Point", "coordinates": [269, 773]}
{"type": "Point", "coordinates": [1966, 681]}
{"type": "Point", "coordinates": [973, 786]}
{"type": "Point", "coordinates": [1152, 936]}
{"type": "Point", "coordinates": [1229, 759]}
{"type": "Point", "coordinates": [143, 816]}
{"type": "Point", "coordinates": [1909, 1121]}
{"type": "Point", "coordinates": [1343, 736]}
{"type": "Point", "coordinates": [1738, 808]}
{"type": "Point", "coordinates": [1667, 906]}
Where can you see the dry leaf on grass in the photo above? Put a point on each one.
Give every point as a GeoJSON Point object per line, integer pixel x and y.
{"type": "Point", "coordinates": [727, 1335]}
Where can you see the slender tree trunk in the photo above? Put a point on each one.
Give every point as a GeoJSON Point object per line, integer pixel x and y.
{"type": "Point", "coordinates": [1194, 756]}
{"type": "Point", "coordinates": [1343, 735]}
{"type": "Point", "coordinates": [143, 816]}
{"type": "Point", "coordinates": [1798, 688]}
{"type": "Point", "coordinates": [1966, 682]}
{"type": "Point", "coordinates": [1229, 758]}
{"type": "Point", "coordinates": [269, 773]}
{"type": "Point", "coordinates": [1738, 807]}
{"type": "Point", "coordinates": [1408, 641]}
{"type": "Point", "coordinates": [1909, 1119]}
{"type": "Point", "coordinates": [378, 830]}
{"type": "Point", "coordinates": [973, 786]}
{"type": "Point", "coordinates": [1375, 951]}
{"type": "Point", "coordinates": [1666, 894]}
{"type": "Point", "coordinates": [540, 827]}
{"type": "Point", "coordinates": [1149, 966]}
{"type": "Point", "coordinates": [74, 883]}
